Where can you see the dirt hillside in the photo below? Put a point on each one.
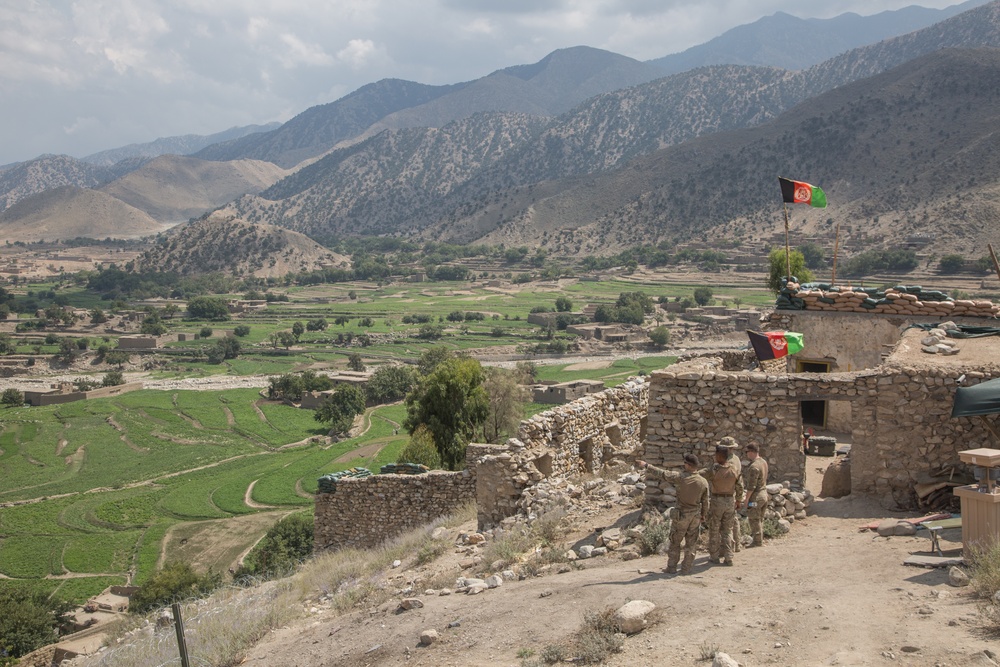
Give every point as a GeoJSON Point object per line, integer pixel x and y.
{"type": "Point", "coordinates": [825, 594]}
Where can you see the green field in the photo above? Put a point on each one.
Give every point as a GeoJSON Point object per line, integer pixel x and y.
{"type": "Point", "coordinates": [92, 492]}
{"type": "Point", "coordinates": [92, 488]}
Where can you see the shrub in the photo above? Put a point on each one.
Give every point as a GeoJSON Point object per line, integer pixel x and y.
{"type": "Point", "coordinates": [985, 575]}
{"type": "Point", "coordinates": [205, 332]}
{"type": "Point", "coordinates": [599, 638]}
{"type": "Point", "coordinates": [113, 379]}
{"type": "Point", "coordinates": [12, 398]}
{"type": "Point", "coordinates": [175, 582]}
{"type": "Point", "coordinates": [285, 545]}
{"type": "Point", "coordinates": [655, 532]}
{"type": "Point", "coordinates": [241, 330]}
{"type": "Point", "coordinates": [771, 528]}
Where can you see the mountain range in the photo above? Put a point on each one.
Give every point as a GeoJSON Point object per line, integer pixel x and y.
{"type": "Point", "coordinates": [587, 150]}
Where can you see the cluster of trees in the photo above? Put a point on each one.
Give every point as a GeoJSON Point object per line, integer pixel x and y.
{"type": "Point", "coordinates": [873, 261]}
{"type": "Point", "coordinates": [630, 308]}
{"type": "Point", "coordinates": [30, 619]}
{"type": "Point", "coordinates": [287, 544]}
{"type": "Point", "coordinates": [955, 263]}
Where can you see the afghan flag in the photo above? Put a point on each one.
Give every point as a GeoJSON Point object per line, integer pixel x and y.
{"type": "Point", "coordinates": [798, 192]}
{"type": "Point", "coordinates": [775, 344]}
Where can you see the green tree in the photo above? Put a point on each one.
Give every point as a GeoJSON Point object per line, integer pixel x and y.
{"type": "Point", "coordinates": [813, 254]}
{"type": "Point", "coordinates": [113, 379]}
{"type": "Point", "coordinates": [660, 337]}
{"type": "Point", "coordinates": [29, 619]}
{"type": "Point", "coordinates": [67, 350]}
{"type": "Point", "coordinates": [208, 308]}
{"type": "Point", "coordinates": [205, 332]}
{"type": "Point", "coordinates": [355, 363]}
{"type": "Point", "coordinates": [950, 264]}
{"type": "Point", "coordinates": [776, 271]}
{"type": "Point", "coordinates": [227, 347]}
{"type": "Point", "coordinates": [152, 325]}
{"type": "Point", "coordinates": [7, 344]}
{"type": "Point", "coordinates": [297, 330]}
{"type": "Point", "coordinates": [241, 330]}
{"type": "Point", "coordinates": [432, 357]}
{"type": "Point", "coordinates": [703, 295]}
{"type": "Point", "coordinates": [563, 304]}
{"type": "Point", "coordinates": [453, 404]}
{"type": "Point", "coordinates": [97, 316]}
{"type": "Point", "coordinates": [507, 399]}
{"type": "Point", "coordinates": [12, 398]}
{"type": "Point", "coordinates": [117, 357]}
{"type": "Point", "coordinates": [317, 324]}
{"type": "Point", "coordinates": [340, 408]}
{"type": "Point", "coordinates": [421, 449]}
{"type": "Point", "coordinates": [285, 545]}
{"type": "Point", "coordinates": [177, 581]}
{"type": "Point", "coordinates": [390, 382]}
{"type": "Point", "coordinates": [342, 320]}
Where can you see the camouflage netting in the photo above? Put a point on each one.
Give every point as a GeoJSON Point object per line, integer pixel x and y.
{"type": "Point", "coordinates": [898, 300]}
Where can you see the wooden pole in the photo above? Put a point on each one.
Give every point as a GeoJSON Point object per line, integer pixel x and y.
{"type": "Point", "coordinates": [181, 640]}
{"type": "Point", "coordinates": [788, 253]}
{"type": "Point", "coordinates": [836, 248]}
{"type": "Point", "coordinates": [996, 264]}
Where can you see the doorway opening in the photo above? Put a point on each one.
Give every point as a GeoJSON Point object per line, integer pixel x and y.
{"type": "Point", "coordinates": [814, 413]}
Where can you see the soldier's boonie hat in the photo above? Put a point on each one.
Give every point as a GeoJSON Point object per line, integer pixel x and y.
{"type": "Point", "coordinates": [729, 442]}
{"type": "Point", "coordinates": [722, 449]}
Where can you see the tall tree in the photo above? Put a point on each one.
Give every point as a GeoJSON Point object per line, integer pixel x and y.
{"type": "Point", "coordinates": [777, 270]}
{"type": "Point", "coordinates": [507, 399]}
{"type": "Point", "coordinates": [340, 409]}
{"type": "Point", "coordinates": [453, 404]}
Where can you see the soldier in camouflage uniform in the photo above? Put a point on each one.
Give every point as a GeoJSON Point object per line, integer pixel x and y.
{"type": "Point", "coordinates": [727, 492]}
{"type": "Point", "coordinates": [755, 481]}
{"type": "Point", "coordinates": [734, 461]}
{"type": "Point", "coordinates": [692, 510]}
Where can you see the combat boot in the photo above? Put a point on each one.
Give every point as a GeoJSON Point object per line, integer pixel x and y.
{"type": "Point", "coordinates": [687, 565]}
{"type": "Point", "coordinates": [728, 561]}
{"type": "Point", "coordinates": [671, 567]}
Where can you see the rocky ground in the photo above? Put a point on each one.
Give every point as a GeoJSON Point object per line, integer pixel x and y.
{"type": "Point", "coordinates": [826, 593]}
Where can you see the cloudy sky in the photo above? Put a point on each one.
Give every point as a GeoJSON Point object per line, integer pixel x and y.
{"type": "Point", "coordinates": [80, 76]}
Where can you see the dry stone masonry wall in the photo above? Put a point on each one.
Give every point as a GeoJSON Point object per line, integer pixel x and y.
{"type": "Point", "coordinates": [573, 439]}
{"type": "Point", "coordinates": [365, 512]}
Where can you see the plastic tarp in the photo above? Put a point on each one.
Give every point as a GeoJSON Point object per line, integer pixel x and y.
{"type": "Point", "coordinates": [963, 330]}
{"type": "Point", "coordinates": [979, 399]}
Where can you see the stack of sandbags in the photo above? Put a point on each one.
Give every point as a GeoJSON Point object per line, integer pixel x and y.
{"type": "Point", "coordinates": [898, 300]}
{"type": "Point", "coordinates": [328, 483]}
{"type": "Point", "coordinates": [403, 469]}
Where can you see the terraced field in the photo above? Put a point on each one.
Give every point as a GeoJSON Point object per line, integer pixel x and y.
{"type": "Point", "coordinates": [97, 488]}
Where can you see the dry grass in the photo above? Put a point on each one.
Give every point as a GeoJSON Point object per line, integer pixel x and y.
{"type": "Point", "coordinates": [221, 628]}
{"type": "Point", "coordinates": [598, 639]}
{"type": "Point", "coordinates": [985, 575]}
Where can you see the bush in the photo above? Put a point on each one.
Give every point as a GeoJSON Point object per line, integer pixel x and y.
{"type": "Point", "coordinates": [174, 583]}
{"type": "Point", "coordinates": [113, 379]}
{"type": "Point", "coordinates": [599, 638]}
{"type": "Point", "coordinates": [241, 330]}
{"type": "Point", "coordinates": [205, 332]}
{"type": "Point", "coordinates": [655, 532]}
{"type": "Point", "coordinates": [703, 296]}
{"type": "Point", "coordinates": [985, 575]}
{"type": "Point", "coordinates": [563, 304]}
{"type": "Point", "coordinates": [208, 308]}
{"type": "Point", "coordinates": [660, 336]}
{"type": "Point", "coordinates": [12, 398]}
{"type": "Point", "coordinates": [286, 544]}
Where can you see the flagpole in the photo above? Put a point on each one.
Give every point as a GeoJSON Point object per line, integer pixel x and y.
{"type": "Point", "coordinates": [836, 247]}
{"type": "Point", "coordinates": [993, 255]}
{"type": "Point", "coordinates": [788, 253]}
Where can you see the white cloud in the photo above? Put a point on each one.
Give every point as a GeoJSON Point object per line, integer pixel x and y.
{"type": "Point", "coordinates": [79, 76]}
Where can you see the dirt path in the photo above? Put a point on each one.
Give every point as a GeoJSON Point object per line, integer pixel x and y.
{"type": "Point", "coordinates": [369, 450]}
{"type": "Point", "coordinates": [249, 501]}
{"type": "Point", "coordinates": [823, 595]}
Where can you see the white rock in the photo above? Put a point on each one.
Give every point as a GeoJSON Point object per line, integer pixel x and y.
{"type": "Point", "coordinates": [586, 551]}
{"type": "Point", "coordinates": [510, 575]}
{"type": "Point", "coordinates": [570, 555]}
{"type": "Point", "coordinates": [411, 603]}
{"type": "Point", "coordinates": [784, 525]}
{"type": "Point", "coordinates": [773, 489]}
{"type": "Point", "coordinates": [495, 581]}
{"type": "Point", "coordinates": [904, 528]}
{"type": "Point", "coordinates": [631, 617]}
{"type": "Point", "coordinates": [428, 637]}
{"type": "Point", "coordinates": [476, 589]}
{"type": "Point", "coordinates": [396, 563]}
{"type": "Point", "coordinates": [599, 551]}
{"type": "Point", "coordinates": [723, 660]}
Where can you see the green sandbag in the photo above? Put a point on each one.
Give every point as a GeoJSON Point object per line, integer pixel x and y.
{"type": "Point", "coordinates": [826, 299]}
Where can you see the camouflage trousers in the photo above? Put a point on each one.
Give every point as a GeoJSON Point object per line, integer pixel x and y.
{"type": "Point", "coordinates": [684, 529]}
{"type": "Point", "coordinates": [737, 532]}
{"type": "Point", "coordinates": [755, 515]}
{"type": "Point", "coordinates": [721, 513]}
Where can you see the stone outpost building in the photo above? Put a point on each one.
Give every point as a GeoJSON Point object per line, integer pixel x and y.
{"type": "Point", "coordinates": [860, 373]}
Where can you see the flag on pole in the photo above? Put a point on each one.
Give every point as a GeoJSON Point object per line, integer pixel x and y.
{"type": "Point", "coordinates": [799, 192]}
{"type": "Point", "coordinates": [775, 344]}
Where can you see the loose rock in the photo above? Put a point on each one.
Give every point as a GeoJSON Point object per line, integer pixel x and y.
{"type": "Point", "coordinates": [428, 637]}
{"type": "Point", "coordinates": [631, 617]}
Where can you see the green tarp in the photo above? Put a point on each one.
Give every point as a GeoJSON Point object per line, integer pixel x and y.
{"type": "Point", "coordinates": [980, 399]}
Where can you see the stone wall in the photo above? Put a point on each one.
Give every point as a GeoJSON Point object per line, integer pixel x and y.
{"type": "Point", "coordinates": [573, 439]}
{"type": "Point", "coordinates": [902, 426]}
{"type": "Point", "coordinates": [365, 512]}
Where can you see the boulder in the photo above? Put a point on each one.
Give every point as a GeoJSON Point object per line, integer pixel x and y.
{"type": "Point", "coordinates": [631, 617]}
{"type": "Point", "coordinates": [904, 528]}
{"type": "Point", "coordinates": [957, 577]}
{"type": "Point", "coordinates": [428, 637]}
{"type": "Point", "coordinates": [410, 603]}
{"type": "Point", "coordinates": [724, 660]}
{"type": "Point", "coordinates": [887, 527]}
{"type": "Point", "coordinates": [495, 581]}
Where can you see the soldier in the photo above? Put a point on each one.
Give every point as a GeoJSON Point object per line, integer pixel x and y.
{"type": "Point", "coordinates": [734, 461]}
{"type": "Point", "coordinates": [755, 481]}
{"type": "Point", "coordinates": [692, 499]}
{"type": "Point", "coordinates": [727, 492]}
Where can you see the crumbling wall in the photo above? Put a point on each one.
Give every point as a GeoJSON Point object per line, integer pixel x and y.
{"type": "Point", "coordinates": [572, 439]}
{"type": "Point", "coordinates": [365, 512]}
